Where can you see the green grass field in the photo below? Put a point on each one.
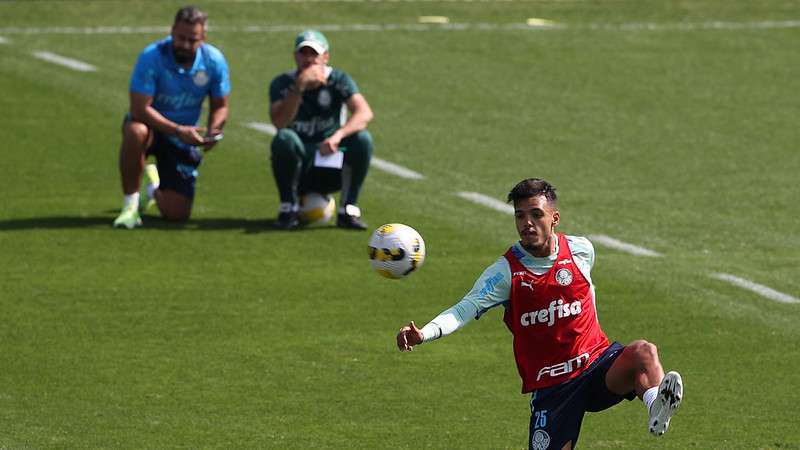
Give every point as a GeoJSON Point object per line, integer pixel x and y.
{"type": "Point", "coordinates": [671, 125]}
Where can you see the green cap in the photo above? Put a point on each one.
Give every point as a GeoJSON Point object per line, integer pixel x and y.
{"type": "Point", "coordinates": [313, 39]}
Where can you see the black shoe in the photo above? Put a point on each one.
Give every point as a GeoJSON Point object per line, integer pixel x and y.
{"type": "Point", "coordinates": [344, 220]}
{"type": "Point", "coordinates": [287, 221]}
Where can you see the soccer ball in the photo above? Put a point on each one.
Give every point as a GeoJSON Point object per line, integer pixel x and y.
{"type": "Point", "coordinates": [396, 250]}
{"type": "Point", "coordinates": [316, 208]}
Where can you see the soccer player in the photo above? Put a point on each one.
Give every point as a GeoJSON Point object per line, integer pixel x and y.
{"type": "Point", "coordinates": [313, 150]}
{"type": "Point", "coordinates": [170, 81]}
{"type": "Point", "coordinates": [562, 354]}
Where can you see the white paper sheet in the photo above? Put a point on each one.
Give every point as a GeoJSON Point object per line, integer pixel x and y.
{"type": "Point", "coordinates": [334, 160]}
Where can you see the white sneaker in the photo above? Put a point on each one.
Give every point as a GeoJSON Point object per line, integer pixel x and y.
{"type": "Point", "coordinates": [128, 218]}
{"type": "Point", "coordinates": [670, 394]}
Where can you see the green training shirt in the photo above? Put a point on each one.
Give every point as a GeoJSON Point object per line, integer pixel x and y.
{"type": "Point", "coordinates": [320, 112]}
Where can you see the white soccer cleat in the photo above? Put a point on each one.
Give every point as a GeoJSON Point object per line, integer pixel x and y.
{"type": "Point", "coordinates": [670, 394]}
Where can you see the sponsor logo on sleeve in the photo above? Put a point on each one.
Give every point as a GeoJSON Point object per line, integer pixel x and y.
{"type": "Point", "coordinates": [490, 283]}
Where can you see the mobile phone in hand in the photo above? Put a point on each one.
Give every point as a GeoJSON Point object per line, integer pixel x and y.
{"type": "Point", "coordinates": [214, 138]}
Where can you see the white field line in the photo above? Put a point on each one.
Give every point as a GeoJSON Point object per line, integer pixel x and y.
{"type": "Point", "coordinates": [70, 63]}
{"type": "Point", "coordinates": [480, 26]}
{"type": "Point", "coordinates": [3, 40]}
{"type": "Point", "coordinates": [433, 19]}
{"type": "Point", "coordinates": [266, 128]}
{"type": "Point", "coordinates": [386, 166]}
{"type": "Point", "coordinates": [487, 201]}
{"type": "Point", "coordinates": [692, 26]}
{"type": "Point", "coordinates": [601, 239]}
{"type": "Point", "coordinates": [608, 241]}
{"type": "Point", "coordinates": [370, 1]}
{"type": "Point", "coordinates": [759, 289]}
{"type": "Point", "coordinates": [395, 169]}
{"type": "Point", "coordinates": [86, 30]}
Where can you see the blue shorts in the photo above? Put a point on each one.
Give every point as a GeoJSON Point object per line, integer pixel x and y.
{"type": "Point", "coordinates": [177, 167]}
{"type": "Point", "coordinates": [557, 411]}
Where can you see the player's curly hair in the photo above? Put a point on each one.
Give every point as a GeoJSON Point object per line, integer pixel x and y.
{"type": "Point", "coordinates": [532, 187]}
{"type": "Point", "coordinates": [191, 15]}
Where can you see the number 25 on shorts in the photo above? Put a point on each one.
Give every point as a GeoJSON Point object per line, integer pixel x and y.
{"type": "Point", "coordinates": [540, 419]}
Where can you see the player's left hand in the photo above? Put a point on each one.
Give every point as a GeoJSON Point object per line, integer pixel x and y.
{"type": "Point", "coordinates": [330, 145]}
{"type": "Point", "coordinates": [208, 142]}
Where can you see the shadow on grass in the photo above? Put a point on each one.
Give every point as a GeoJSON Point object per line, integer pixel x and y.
{"type": "Point", "coordinates": [150, 223]}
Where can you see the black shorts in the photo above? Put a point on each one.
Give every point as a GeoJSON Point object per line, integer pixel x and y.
{"type": "Point", "coordinates": [177, 166]}
{"type": "Point", "coordinates": [557, 411]}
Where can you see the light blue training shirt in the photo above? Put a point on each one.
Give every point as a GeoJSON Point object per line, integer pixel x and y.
{"type": "Point", "coordinates": [178, 93]}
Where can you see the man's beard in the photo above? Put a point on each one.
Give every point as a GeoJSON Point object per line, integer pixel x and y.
{"type": "Point", "coordinates": [182, 56]}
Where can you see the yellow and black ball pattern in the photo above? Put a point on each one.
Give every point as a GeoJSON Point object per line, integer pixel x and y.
{"type": "Point", "coordinates": [396, 250]}
{"type": "Point", "coordinates": [316, 208]}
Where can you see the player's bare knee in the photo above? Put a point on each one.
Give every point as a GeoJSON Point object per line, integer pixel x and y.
{"type": "Point", "coordinates": [135, 131]}
{"type": "Point", "coordinates": [646, 353]}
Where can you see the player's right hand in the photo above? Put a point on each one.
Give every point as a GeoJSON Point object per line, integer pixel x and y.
{"type": "Point", "coordinates": [189, 135]}
{"type": "Point", "coordinates": [408, 337]}
{"type": "Point", "coordinates": [311, 77]}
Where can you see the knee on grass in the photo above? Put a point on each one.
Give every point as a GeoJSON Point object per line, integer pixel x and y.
{"type": "Point", "coordinates": [174, 207]}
